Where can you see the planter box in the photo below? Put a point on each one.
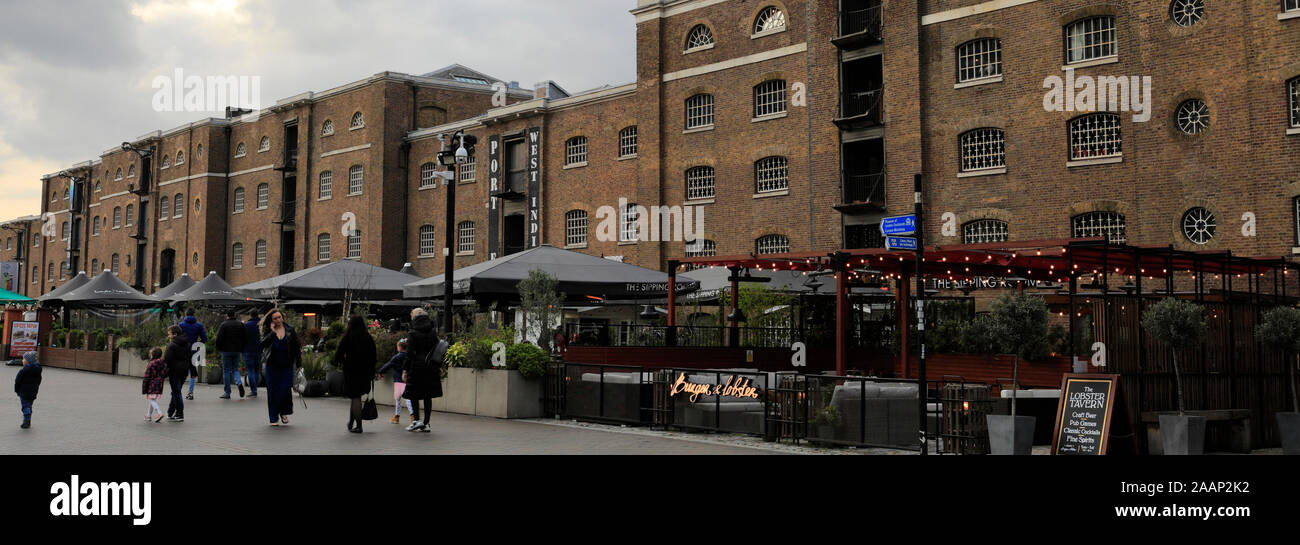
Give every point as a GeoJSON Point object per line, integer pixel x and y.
{"type": "Point", "coordinates": [497, 393]}
{"type": "Point", "coordinates": [1182, 435]}
{"type": "Point", "coordinates": [81, 360]}
{"type": "Point", "coordinates": [1288, 425]}
{"type": "Point", "coordinates": [129, 364]}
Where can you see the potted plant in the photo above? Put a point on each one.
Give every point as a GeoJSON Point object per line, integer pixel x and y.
{"type": "Point", "coordinates": [826, 418]}
{"type": "Point", "coordinates": [314, 370]}
{"type": "Point", "coordinates": [1018, 326]}
{"type": "Point", "coordinates": [1281, 331]}
{"type": "Point", "coordinates": [1179, 325]}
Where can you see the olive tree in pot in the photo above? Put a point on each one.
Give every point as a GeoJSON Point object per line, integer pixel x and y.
{"type": "Point", "coordinates": [1281, 331]}
{"type": "Point", "coordinates": [1019, 327]}
{"type": "Point", "coordinates": [1180, 325]}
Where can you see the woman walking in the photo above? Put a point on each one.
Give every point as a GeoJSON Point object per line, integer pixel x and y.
{"type": "Point", "coordinates": [423, 375]}
{"type": "Point", "coordinates": [356, 356]}
{"type": "Point", "coordinates": [177, 356]}
{"type": "Point", "coordinates": [281, 354]}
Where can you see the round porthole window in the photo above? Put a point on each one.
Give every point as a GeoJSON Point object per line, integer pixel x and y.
{"type": "Point", "coordinates": [1186, 12]}
{"type": "Point", "coordinates": [1199, 225]}
{"type": "Point", "coordinates": [1193, 116]}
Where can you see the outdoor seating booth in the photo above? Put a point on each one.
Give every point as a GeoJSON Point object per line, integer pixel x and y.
{"type": "Point", "coordinates": [1086, 282]}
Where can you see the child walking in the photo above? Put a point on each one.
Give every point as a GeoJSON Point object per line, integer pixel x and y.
{"type": "Point", "coordinates": [26, 383]}
{"type": "Point", "coordinates": [155, 375]}
{"type": "Point", "coordinates": [399, 386]}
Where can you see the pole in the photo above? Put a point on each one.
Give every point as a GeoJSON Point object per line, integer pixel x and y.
{"type": "Point", "coordinates": [670, 336]}
{"type": "Point", "coordinates": [841, 315]}
{"type": "Point", "coordinates": [449, 257]}
{"type": "Point", "coordinates": [922, 388]}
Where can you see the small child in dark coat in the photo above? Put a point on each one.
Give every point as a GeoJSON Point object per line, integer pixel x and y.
{"type": "Point", "coordinates": [26, 384]}
{"type": "Point", "coordinates": [155, 375]}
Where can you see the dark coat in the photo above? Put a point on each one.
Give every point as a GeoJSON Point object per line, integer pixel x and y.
{"type": "Point", "coordinates": [396, 365]}
{"type": "Point", "coordinates": [423, 378]}
{"type": "Point", "coordinates": [194, 330]}
{"type": "Point", "coordinates": [295, 345]}
{"type": "Point", "coordinates": [231, 336]}
{"type": "Point", "coordinates": [356, 357]}
{"type": "Point", "coordinates": [253, 337]}
{"type": "Point", "coordinates": [154, 377]}
{"type": "Point", "coordinates": [177, 355]}
{"type": "Point", "coordinates": [28, 381]}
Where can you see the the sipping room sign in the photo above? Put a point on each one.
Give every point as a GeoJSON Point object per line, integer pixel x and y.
{"type": "Point", "coordinates": [1084, 413]}
{"type": "Point", "coordinates": [734, 387]}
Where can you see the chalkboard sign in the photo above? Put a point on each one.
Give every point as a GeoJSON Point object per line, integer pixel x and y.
{"type": "Point", "coordinates": [1084, 414]}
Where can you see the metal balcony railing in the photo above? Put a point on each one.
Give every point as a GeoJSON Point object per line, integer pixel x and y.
{"type": "Point", "coordinates": [288, 212]}
{"type": "Point", "coordinates": [860, 20]}
{"type": "Point", "coordinates": [864, 188]}
{"type": "Point", "coordinates": [862, 103]}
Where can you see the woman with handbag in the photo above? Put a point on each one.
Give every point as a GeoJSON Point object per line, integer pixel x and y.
{"type": "Point", "coordinates": [356, 357]}
{"type": "Point", "coordinates": [423, 368]}
{"type": "Point", "coordinates": [281, 355]}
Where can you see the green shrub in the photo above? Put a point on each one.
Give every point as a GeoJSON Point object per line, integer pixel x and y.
{"type": "Point", "coordinates": [529, 359]}
{"type": "Point", "coordinates": [76, 338]}
{"type": "Point", "coordinates": [385, 344]}
{"type": "Point", "coordinates": [315, 365]}
{"type": "Point", "coordinates": [335, 330]}
{"type": "Point", "coordinates": [457, 354]}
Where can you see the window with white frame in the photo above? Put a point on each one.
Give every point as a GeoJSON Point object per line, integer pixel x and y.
{"type": "Point", "coordinates": [1295, 206]}
{"type": "Point", "coordinates": [99, 186]}
{"type": "Point", "coordinates": [36, 274]}
{"type": "Point", "coordinates": [699, 111]}
{"type": "Point", "coordinates": [575, 150]}
{"type": "Point", "coordinates": [130, 215]}
{"type": "Point", "coordinates": [263, 196]}
{"type": "Point", "coordinates": [1186, 12]}
{"type": "Point", "coordinates": [95, 226]}
{"type": "Point", "coordinates": [63, 270]}
{"type": "Point", "coordinates": [769, 98]}
{"type": "Point", "coordinates": [627, 140]}
{"type": "Point", "coordinates": [628, 228]}
{"type": "Point", "coordinates": [264, 145]}
{"type": "Point", "coordinates": [354, 245]}
{"type": "Point", "coordinates": [699, 36]}
{"type": "Point", "coordinates": [1293, 99]}
{"type": "Point", "coordinates": [428, 176]}
{"type": "Point", "coordinates": [465, 237]}
{"type": "Point", "coordinates": [326, 189]}
{"type": "Point", "coordinates": [118, 176]}
{"type": "Point", "coordinates": [770, 19]}
{"type": "Point", "coordinates": [113, 265]}
{"type": "Point", "coordinates": [771, 174]}
{"type": "Point", "coordinates": [237, 256]}
{"type": "Point", "coordinates": [701, 248]}
{"type": "Point", "coordinates": [1290, 5]}
{"type": "Point", "coordinates": [130, 171]}
{"type": "Point", "coordinates": [356, 182]}
{"type": "Point", "coordinates": [49, 272]}
{"type": "Point", "coordinates": [63, 231]}
{"type": "Point", "coordinates": [198, 151]}
{"type": "Point", "coordinates": [466, 172]}
{"type": "Point", "coordinates": [428, 242]}
{"type": "Point", "coordinates": [978, 59]}
{"type": "Point", "coordinates": [327, 128]}
{"type": "Point", "coordinates": [323, 247]}
{"type": "Point", "coordinates": [982, 149]}
{"type": "Point", "coordinates": [94, 267]}
{"type": "Point", "coordinates": [178, 206]}
{"type": "Point", "coordinates": [1099, 224]}
{"type": "Point", "coordinates": [259, 254]}
{"type": "Point", "coordinates": [1199, 225]}
{"type": "Point", "coordinates": [699, 183]}
{"type": "Point", "coordinates": [180, 158]}
{"type": "Point", "coordinates": [117, 217]}
{"type": "Point", "coordinates": [1095, 135]}
{"type": "Point", "coordinates": [1193, 116]}
{"type": "Point", "coordinates": [981, 231]}
{"type": "Point", "coordinates": [166, 162]}
{"type": "Point", "coordinates": [164, 210]}
{"type": "Point", "coordinates": [239, 200]}
{"type": "Point", "coordinates": [1089, 39]}
{"type": "Point", "coordinates": [575, 228]}
{"type": "Point", "coordinates": [772, 244]}
{"type": "Point", "coordinates": [240, 150]}
{"type": "Point", "coordinates": [358, 121]}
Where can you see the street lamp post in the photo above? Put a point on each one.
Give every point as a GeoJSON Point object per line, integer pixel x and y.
{"type": "Point", "coordinates": [140, 236]}
{"type": "Point", "coordinates": [464, 145]}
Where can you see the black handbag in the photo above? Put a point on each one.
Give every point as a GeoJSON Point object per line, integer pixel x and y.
{"type": "Point", "coordinates": [369, 410]}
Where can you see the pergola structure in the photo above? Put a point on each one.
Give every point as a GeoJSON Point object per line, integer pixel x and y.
{"type": "Point", "coordinates": [1143, 269]}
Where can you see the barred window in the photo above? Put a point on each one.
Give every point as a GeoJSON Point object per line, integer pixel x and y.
{"type": "Point", "coordinates": [1193, 116]}
{"type": "Point", "coordinates": [117, 217]}
{"type": "Point", "coordinates": [354, 245]}
{"type": "Point", "coordinates": [769, 98]}
{"type": "Point", "coordinates": [427, 175]}
{"type": "Point", "coordinates": [770, 19]}
{"type": "Point", "coordinates": [575, 228]}
{"type": "Point", "coordinates": [323, 247]}
{"type": "Point", "coordinates": [699, 183]}
{"type": "Point", "coordinates": [239, 200]}
{"type": "Point", "coordinates": [699, 111]}
{"type": "Point", "coordinates": [180, 158]}
{"type": "Point", "coordinates": [701, 248]}
{"type": "Point", "coordinates": [1091, 38]}
{"type": "Point", "coordinates": [627, 142]}
{"type": "Point", "coordinates": [263, 196]}
{"type": "Point", "coordinates": [260, 254]}
{"type": "Point", "coordinates": [1186, 12]}
{"type": "Point", "coordinates": [1095, 135]}
{"type": "Point", "coordinates": [1199, 225]}
{"type": "Point", "coordinates": [326, 189]}
{"type": "Point", "coordinates": [979, 59]}
{"type": "Point", "coordinates": [980, 231]}
{"type": "Point", "coordinates": [1100, 224]}
{"type": "Point", "coordinates": [467, 172]}
{"type": "Point", "coordinates": [237, 256]}
{"type": "Point", "coordinates": [358, 121]}
{"type": "Point", "coordinates": [164, 211]}
{"type": "Point", "coordinates": [355, 180]}
{"type": "Point", "coordinates": [771, 174]}
{"type": "Point", "coordinates": [628, 231]}
{"type": "Point", "coordinates": [465, 235]}
{"type": "Point", "coordinates": [264, 145]}
{"type": "Point", "coordinates": [698, 37]}
{"type": "Point", "coordinates": [178, 205]}
{"type": "Point", "coordinates": [428, 244]}
{"type": "Point", "coordinates": [114, 265]}
{"type": "Point", "coordinates": [1293, 98]}
{"type": "Point", "coordinates": [130, 215]}
{"type": "Point", "coordinates": [575, 150]}
{"type": "Point", "coordinates": [240, 150]}
{"type": "Point", "coordinates": [983, 149]}
{"type": "Point", "coordinates": [166, 162]}
{"type": "Point", "coordinates": [772, 244]}
{"type": "Point", "coordinates": [327, 128]}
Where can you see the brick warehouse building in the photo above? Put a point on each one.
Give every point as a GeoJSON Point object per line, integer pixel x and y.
{"type": "Point", "coordinates": [793, 125]}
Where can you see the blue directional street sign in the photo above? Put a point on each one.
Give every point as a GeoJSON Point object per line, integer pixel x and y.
{"type": "Point", "coordinates": [900, 243]}
{"type": "Point", "coordinates": [898, 225]}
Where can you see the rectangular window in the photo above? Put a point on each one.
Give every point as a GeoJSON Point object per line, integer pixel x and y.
{"type": "Point", "coordinates": [1291, 5]}
{"type": "Point", "coordinates": [323, 247]}
{"type": "Point", "coordinates": [699, 183]}
{"type": "Point", "coordinates": [575, 150]}
{"type": "Point", "coordinates": [701, 248]}
{"type": "Point", "coordinates": [466, 238]}
{"type": "Point", "coordinates": [428, 244]}
{"type": "Point", "coordinates": [427, 175]}
{"type": "Point", "coordinates": [326, 185]}
{"type": "Point", "coordinates": [355, 182]}
{"type": "Point", "coordinates": [1091, 38]}
{"type": "Point", "coordinates": [1100, 224]}
{"type": "Point", "coordinates": [627, 140]}
{"type": "Point", "coordinates": [863, 236]}
{"type": "Point", "coordinates": [769, 98]}
{"type": "Point", "coordinates": [983, 149]}
{"type": "Point", "coordinates": [354, 245]}
{"type": "Point", "coordinates": [575, 228]}
{"type": "Point", "coordinates": [979, 59]}
{"type": "Point", "coordinates": [980, 231]}
{"type": "Point", "coordinates": [467, 172]}
{"type": "Point", "coordinates": [699, 111]}
{"type": "Point", "coordinates": [1295, 204]}
{"type": "Point", "coordinates": [771, 174]}
{"type": "Point", "coordinates": [1095, 135]}
{"type": "Point", "coordinates": [628, 228]}
{"type": "Point", "coordinates": [1293, 99]}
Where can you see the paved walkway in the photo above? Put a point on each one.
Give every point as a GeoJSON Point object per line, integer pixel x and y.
{"type": "Point", "coordinates": [80, 412]}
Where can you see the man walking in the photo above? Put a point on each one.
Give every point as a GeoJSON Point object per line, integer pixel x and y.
{"type": "Point", "coordinates": [252, 353]}
{"type": "Point", "coordinates": [177, 356]}
{"type": "Point", "coordinates": [231, 340]}
{"type": "Point", "coordinates": [194, 332]}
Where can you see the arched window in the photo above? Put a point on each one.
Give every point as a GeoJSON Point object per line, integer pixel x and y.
{"type": "Point", "coordinates": [978, 59]}
{"type": "Point", "coordinates": [117, 217]}
{"type": "Point", "coordinates": [326, 185]}
{"type": "Point", "coordinates": [130, 215]}
{"type": "Point", "coordinates": [323, 247]}
{"type": "Point", "coordinates": [114, 265]}
{"type": "Point", "coordinates": [354, 245]}
{"type": "Point", "coordinates": [771, 174]}
{"type": "Point", "coordinates": [427, 178]}
{"type": "Point", "coordinates": [1099, 224]}
{"type": "Point", "coordinates": [94, 266]}
{"type": "Point", "coordinates": [982, 149]}
{"type": "Point", "coordinates": [327, 128]}
{"type": "Point", "coordinates": [164, 209]}
{"type": "Point", "coordinates": [49, 272]}
{"type": "Point", "coordinates": [1095, 135]}
{"type": "Point", "coordinates": [130, 171]}
{"type": "Point", "coordinates": [118, 176]}
{"type": "Point", "coordinates": [237, 256]}
{"type": "Point", "coordinates": [358, 121]}
{"type": "Point", "coordinates": [465, 237]}
{"type": "Point", "coordinates": [627, 142]}
{"type": "Point", "coordinates": [240, 150]}
{"type": "Point", "coordinates": [63, 231]}
{"type": "Point", "coordinates": [178, 205]}
{"type": "Point", "coordinates": [264, 145]}
{"type": "Point", "coordinates": [575, 151]}
{"type": "Point", "coordinates": [699, 36]}
{"type": "Point", "coordinates": [356, 181]}
{"type": "Point", "coordinates": [99, 186]}
{"type": "Point", "coordinates": [263, 196]}
{"type": "Point", "coordinates": [95, 226]}
{"type": "Point", "coordinates": [36, 274]}
{"type": "Point", "coordinates": [699, 111]}
{"type": "Point", "coordinates": [575, 228]}
{"type": "Point", "coordinates": [699, 183]}
{"type": "Point", "coordinates": [769, 98]}
{"type": "Point", "coordinates": [428, 244]}
{"type": "Point", "coordinates": [239, 200]}
{"type": "Point", "coordinates": [985, 230]}
{"type": "Point", "coordinates": [772, 244]}
{"type": "Point", "coordinates": [259, 254]}
{"type": "Point", "coordinates": [1090, 38]}
{"type": "Point", "coordinates": [180, 158]}
{"type": "Point", "coordinates": [166, 162]}
{"type": "Point", "coordinates": [198, 151]}
{"type": "Point", "coordinates": [63, 270]}
{"type": "Point", "coordinates": [771, 19]}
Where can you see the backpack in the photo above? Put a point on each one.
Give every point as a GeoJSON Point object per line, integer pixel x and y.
{"type": "Point", "coordinates": [435, 357]}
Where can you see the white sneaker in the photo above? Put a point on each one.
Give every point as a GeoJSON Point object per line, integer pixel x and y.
{"type": "Point", "coordinates": [424, 428]}
{"type": "Point", "coordinates": [413, 426]}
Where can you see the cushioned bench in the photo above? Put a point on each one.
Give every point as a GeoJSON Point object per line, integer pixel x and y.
{"type": "Point", "coordinates": [890, 411]}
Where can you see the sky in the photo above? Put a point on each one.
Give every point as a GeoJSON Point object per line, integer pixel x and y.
{"type": "Point", "coordinates": [77, 76]}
